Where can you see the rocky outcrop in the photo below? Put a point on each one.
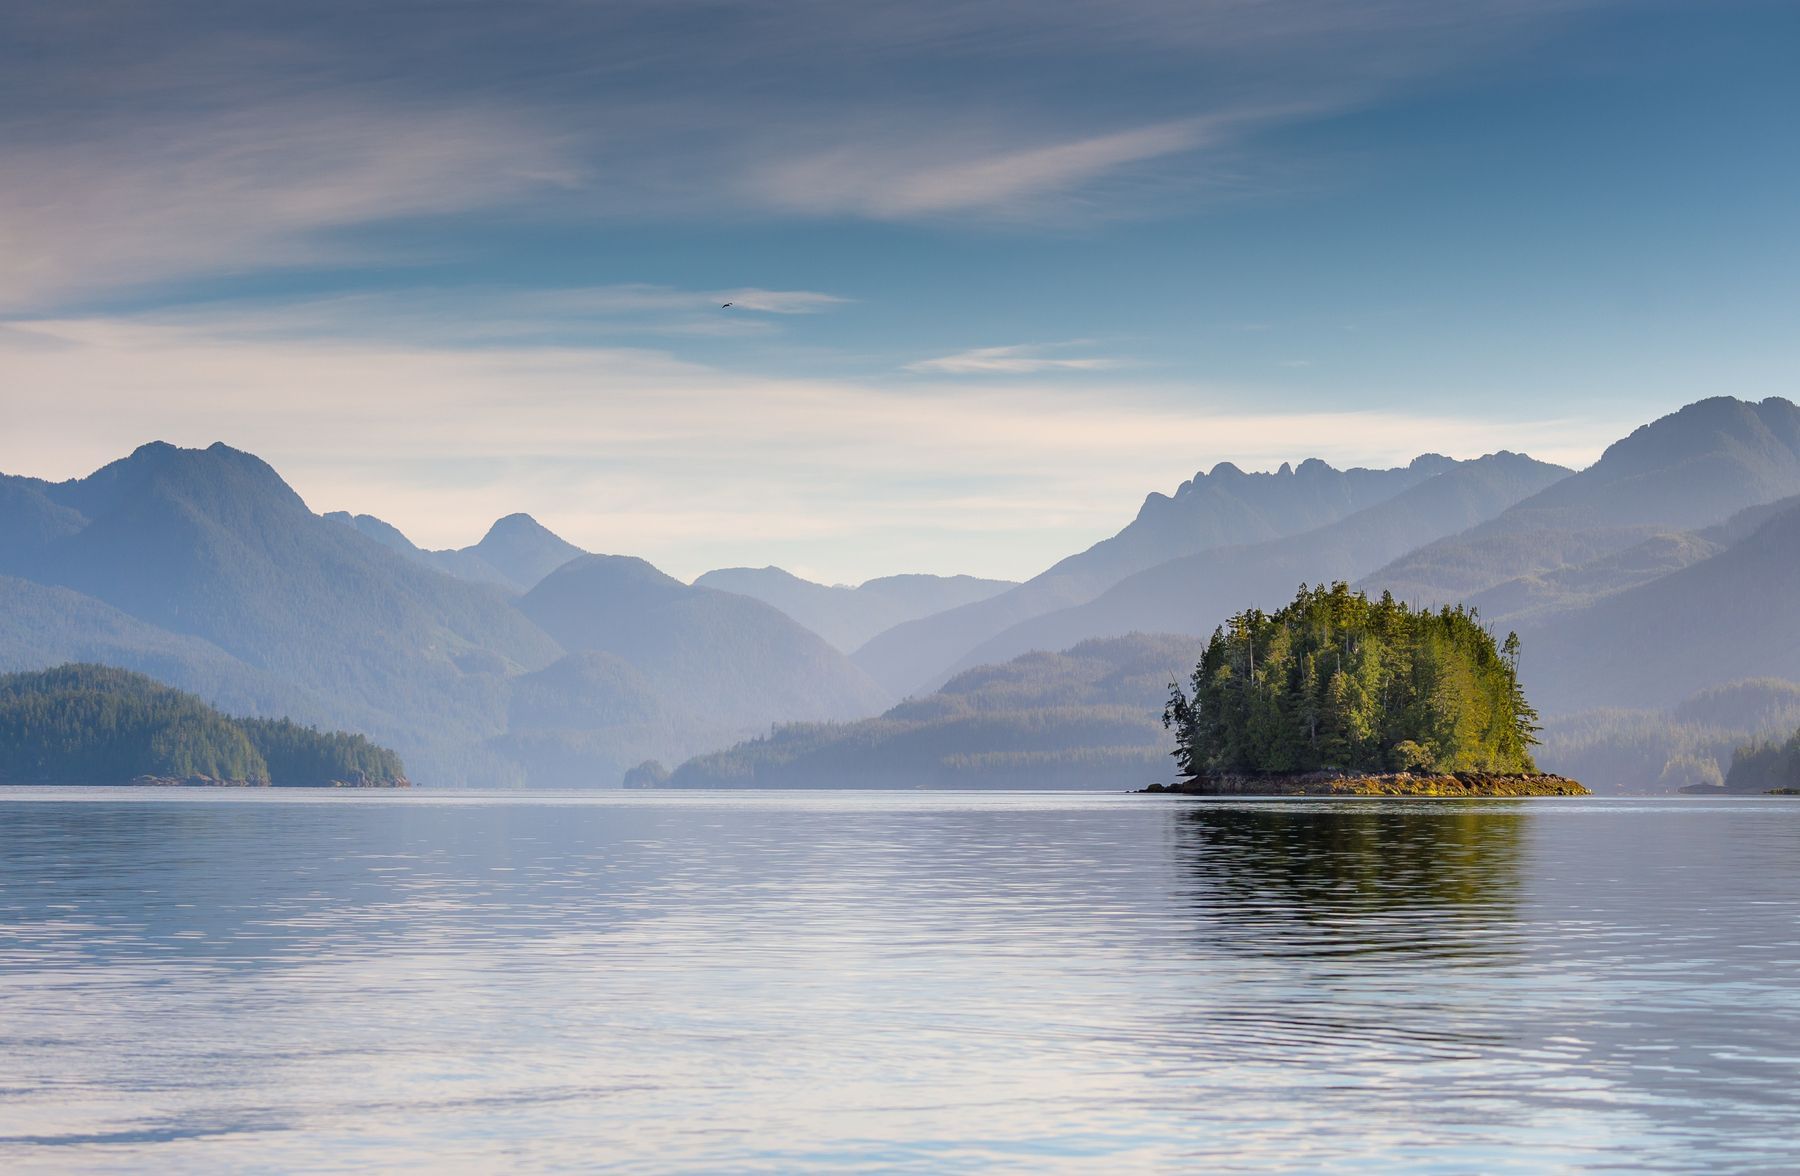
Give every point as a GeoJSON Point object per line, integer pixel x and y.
{"type": "Point", "coordinates": [1460, 784]}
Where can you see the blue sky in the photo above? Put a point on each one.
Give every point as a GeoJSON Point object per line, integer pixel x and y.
{"type": "Point", "coordinates": [1000, 268]}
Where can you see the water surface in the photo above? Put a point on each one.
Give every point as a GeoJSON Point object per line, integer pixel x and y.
{"type": "Point", "coordinates": [207, 981]}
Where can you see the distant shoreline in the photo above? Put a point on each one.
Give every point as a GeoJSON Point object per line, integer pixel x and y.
{"type": "Point", "coordinates": [204, 782]}
{"type": "Point", "coordinates": [1399, 784]}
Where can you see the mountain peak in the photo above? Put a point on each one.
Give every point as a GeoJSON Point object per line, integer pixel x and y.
{"type": "Point", "coordinates": [523, 550]}
{"type": "Point", "coordinates": [518, 524]}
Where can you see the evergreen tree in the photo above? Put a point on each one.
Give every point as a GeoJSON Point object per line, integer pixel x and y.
{"type": "Point", "coordinates": [1337, 681]}
{"type": "Point", "coordinates": [88, 724]}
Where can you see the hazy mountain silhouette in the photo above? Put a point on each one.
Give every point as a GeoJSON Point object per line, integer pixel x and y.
{"type": "Point", "coordinates": [516, 552]}
{"type": "Point", "coordinates": [1226, 507]}
{"type": "Point", "coordinates": [1691, 469]}
{"type": "Point", "coordinates": [1730, 616]}
{"type": "Point", "coordinates": [1664, 570]}
{"type": "Point", "coordinates": [1085, 718]}
{"type": "Point", "coordinates": [725, 659]}
{"type": "Point", "coordinates": [1538, 597]}
{"type": "Point", "coordinates": [42, 626]}
{"type": "Point", "coordinates": [847, 617]}
{"type": "Point", "coordinates": [214, 545]}
{"type": "Point", "coordinates": [1195, 593]}
{"type": "Point", "coordinates": [1620, 749]}
{"type": "Point", "coordinates": [588, 717]}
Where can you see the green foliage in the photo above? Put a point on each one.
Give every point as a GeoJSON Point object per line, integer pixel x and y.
{"type": "Point", "coordinates": [307, 757]}
{"type": "Point", "coordinates": [1337, 681]}
{"type": "Point", "coordinates": [1764, 766]}
{"type": "Point", "coordinates": [89, 724]}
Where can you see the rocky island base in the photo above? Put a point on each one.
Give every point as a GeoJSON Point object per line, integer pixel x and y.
{"type": "Point", "coordinates": [1460, 784]}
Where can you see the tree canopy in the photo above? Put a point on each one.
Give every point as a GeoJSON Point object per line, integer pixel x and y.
{"type": "Point", "coordinates": [1335, 680]}
{"type": "Point", "coordinates": [1763, 766]}
{"type": "Point", "coordinates": [89, 724]}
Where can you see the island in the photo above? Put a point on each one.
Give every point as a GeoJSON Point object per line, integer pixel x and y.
{"type": "Point", "coordinates": [91, 724]}
{"type": "Point", "coordinates": [1336, 694]}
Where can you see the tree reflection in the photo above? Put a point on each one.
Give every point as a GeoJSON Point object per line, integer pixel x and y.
{"type": "Point", "coordinates": [1297, 878]}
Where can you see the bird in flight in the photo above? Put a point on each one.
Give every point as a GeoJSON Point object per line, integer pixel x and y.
{"type": "Point", "coordinates": [723, 305]}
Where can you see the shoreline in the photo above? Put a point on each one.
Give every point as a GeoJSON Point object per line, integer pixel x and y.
{"type": "Point", "coordinates": [1396, 784]}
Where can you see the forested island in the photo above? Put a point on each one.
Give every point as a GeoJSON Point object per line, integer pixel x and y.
{"type": "Point", "coordinates": [1339, 694]}
{"type": "Point", "coordinates": [90, 724]}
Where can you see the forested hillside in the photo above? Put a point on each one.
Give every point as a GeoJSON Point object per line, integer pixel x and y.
{"type": "Point", "coordinates": [1086, 718]}
{"type": "Point", "coordinates": [85, 724]}
{"type": "Point", "coordinates": [1690, 745]}
{"type": "Point", "coordinates": [1766, 767]}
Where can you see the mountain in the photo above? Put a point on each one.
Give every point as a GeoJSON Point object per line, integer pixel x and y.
{"type": "Point", "coordinates": [1224, 508]}
{"type": "Point", "coordinates": [213, 546]}
{"type": "Point", "coordinates": [1641, 750]}
{"type": "Point", "coordinates": [1729, 616]}
{"type": "Point", "coordinates": [1691, 469]}
{"type": "Point", "coordinates": [1087, 718]}
{"type": "Point", "coordinates": [848, 617]}
{"type": "Point", "coordinates": [727, 661]}
{"type": "Point", "coordinates": [583, 720]}
{"type": "Point", "coordinates": [516, 552]}
{"type": "Point", "coordinates": [43, 626]}
{"type": "Point", "coordinates": [204, 568]}
{"type": "Point", "coordinates": [1197, 592]}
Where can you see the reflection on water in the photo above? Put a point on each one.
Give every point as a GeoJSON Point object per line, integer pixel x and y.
{"type": "Point", "coordinates": [1311, 879]}
{"type": "Point", "coordinates": [904, 982]}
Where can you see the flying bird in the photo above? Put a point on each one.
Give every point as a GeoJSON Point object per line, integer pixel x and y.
{"type": "Point", "coordinates": [723, 305]}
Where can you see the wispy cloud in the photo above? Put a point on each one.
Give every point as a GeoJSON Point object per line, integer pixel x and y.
{"type": "Point", "coordinates": [168, 142]}
{"type": "Point", "coordinates": [925, 177]}
{"type": "Point", "coordinates": [1017, 360]}
{"type": "Point", "coordinates": [482, 315]}
{"type": "Point", "coordinates": [233, 190]}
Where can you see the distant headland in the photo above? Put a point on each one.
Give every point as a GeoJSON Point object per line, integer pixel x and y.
{"type": "Point", "coordinates": [88, 724]}
{"type": "Point", "coordinates": [1339, 695]}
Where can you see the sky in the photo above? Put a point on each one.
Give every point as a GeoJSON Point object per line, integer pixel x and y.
{"type": "Point", "coordinates": [998, 269]}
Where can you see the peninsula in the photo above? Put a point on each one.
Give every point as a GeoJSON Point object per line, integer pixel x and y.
{"type": "Point", "coordinates": [89, 724]}
{"type": "Point", "coordinates": [1336, 694]}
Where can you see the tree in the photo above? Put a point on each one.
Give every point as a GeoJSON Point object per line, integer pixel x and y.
{"type": "Point", "coordinates": [1336, 681]}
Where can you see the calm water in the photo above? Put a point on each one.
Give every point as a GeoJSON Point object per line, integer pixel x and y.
{"type": "Point", "coordinates": [247, 981]}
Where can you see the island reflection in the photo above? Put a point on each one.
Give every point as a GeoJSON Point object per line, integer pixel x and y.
{"type": "Point", "coordinates": [1304, 879]}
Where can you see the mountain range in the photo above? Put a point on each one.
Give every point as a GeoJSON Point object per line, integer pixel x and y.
{"type": "Point", "coordinates": [848, 617]}
{"type": "Point", "coordinates": [1225, 507]}
{"type": "Point", "coordinates": [1661, 572]}
{"type": "Point", "coordinates": [516, 552]}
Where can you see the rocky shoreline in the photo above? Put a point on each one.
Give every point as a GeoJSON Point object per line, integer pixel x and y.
{"type": "Point", "coordinates": [211, 782]}
{"type": "Point", "coordinates": [1459, 784]}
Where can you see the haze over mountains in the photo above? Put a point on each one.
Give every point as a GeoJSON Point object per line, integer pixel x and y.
{"type": "Point", "coordinates": [848, 617]}
{"type": "Point", "coordinates": [1194, 593]}
{"type": "Point", "coordinates": [1226, 507]}
{"type": "Point", "coordinates": [516, 553]}
{"type": "Point", "coordinates": [205, 570]}
{"type": "Point", "coordinates": [1666, 570]}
